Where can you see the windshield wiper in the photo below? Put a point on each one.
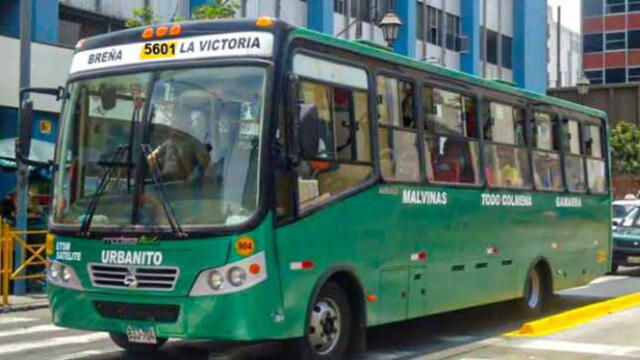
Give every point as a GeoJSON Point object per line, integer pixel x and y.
{"type": "Point", "coordinates": [102, 185]}
{"type": "Point", "coordinates": [166, 206]}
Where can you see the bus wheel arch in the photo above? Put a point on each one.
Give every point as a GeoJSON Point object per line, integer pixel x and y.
{"type": "Point", "coordinates": [344, 276]}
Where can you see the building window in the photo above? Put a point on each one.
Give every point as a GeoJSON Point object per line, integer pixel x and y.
{"type": "Point", "coordinates": [507, 60]}
{"type": "Point", "coordinates": [634, 74]}
{"type": "Point", "coordinates": [614, 76]}
{"type": "Point", "coordinates": [634, 5]}
{"type": "Point", "coordinates": [420, 23]}
{"type": "Point", "coordinates": [434, 21]}
{"type": "Point", "coordinates": [595, 76]}
{"type": "Point", "coordinates": [492, 47]}
{"type": "Point", "coordinates": [616, 41]}
{"type": "Point", "coordinates": [615, 6]}
{"type": "Point", "coordinates": [77, 24]}
{"type": "Point", "coordinates": [593, 43]}
{"type": "Point", "coordinates": [365, 9]}
{"type": "Point", "coordinates": [592, 7]}
{"type": "Point", "coordinates": [633, 38]}
{"type": "Point", "coordinates": [453, 32]}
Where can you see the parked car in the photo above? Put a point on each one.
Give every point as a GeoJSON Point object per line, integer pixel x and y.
{"type": "Point", "coordinates": [621, 208]}
{"type": "Point", "coordinates": [626, 240]}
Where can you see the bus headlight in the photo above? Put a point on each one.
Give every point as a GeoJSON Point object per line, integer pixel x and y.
{"type": "Point", "coordinates": [216, 280]}
{"type": "Point", "coordinates": [233, 277]}
{"type": "Point", "coordinates": [63, 275]}
{"type": "Point", "coordinates": [54, 271]}
{"type": "Point", "coordinates": [237, 276]}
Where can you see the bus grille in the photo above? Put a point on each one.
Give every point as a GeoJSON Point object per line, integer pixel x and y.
{"type": "Point", "coordinates": [133, 277]}
{"type": "Point", "coordinates": [139, 312]}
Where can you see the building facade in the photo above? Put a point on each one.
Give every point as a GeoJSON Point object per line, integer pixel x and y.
{"type": "Point", "coordinates": [565, 52]}
{"type": "Point", "coordinates": [611, 36]}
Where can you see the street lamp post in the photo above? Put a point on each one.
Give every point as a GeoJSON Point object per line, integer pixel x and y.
{"type": "Point", "coordinates": [390, 25]}
{"type": "Point", "coordinates": [583, 87]}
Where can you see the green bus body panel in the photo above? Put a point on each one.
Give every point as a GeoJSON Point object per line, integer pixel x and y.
{"type": "Point", "coordinates": [245, 315]}
{"type": "Point", "coordinates": [375, 233]}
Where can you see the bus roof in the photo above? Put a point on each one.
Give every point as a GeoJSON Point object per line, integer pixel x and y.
{"type": "Point", "coordinates": [382, 53]}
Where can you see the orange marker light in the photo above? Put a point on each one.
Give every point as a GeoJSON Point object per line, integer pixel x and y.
{"type": "Point", "coordinates": [264, 21]}
{"type": "Point", "coordinates": [254, 269]}
{"type": "Point", "coordinates": [162, 31]}
{"type": "Point", "coordinates": [147, 33]}
{"type": "Point", "coordinates": [372, 297]}
{"type": "Point", "coordinates": [175, 30]}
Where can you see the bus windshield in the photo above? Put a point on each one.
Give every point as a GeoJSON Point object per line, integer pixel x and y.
{"type": "Point", "coordinates": [137, 144]}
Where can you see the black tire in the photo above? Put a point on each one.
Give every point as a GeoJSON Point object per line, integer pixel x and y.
{"type": "Point", "coordinates": [614, 268]}
{"type": "Point", "coordinates": [537, 292]}
{"type": "Point", "coordinates": [134, 348]}
{"type": "Point", "coordinates": [310, 347]}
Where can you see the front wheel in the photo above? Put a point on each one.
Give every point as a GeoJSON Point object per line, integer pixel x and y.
{"type": "Point", "coordinates": [328, 327]}
{"type": "Point", "coordinates": [135, 348]}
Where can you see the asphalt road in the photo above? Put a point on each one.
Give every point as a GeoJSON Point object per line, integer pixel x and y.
{"type": "Point", "coordinates": [472, 334]}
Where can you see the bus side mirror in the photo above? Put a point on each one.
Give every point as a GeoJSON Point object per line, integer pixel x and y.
{"type": "Point", "coordinates": [308, 132]}
{"type": "Point", "coordinates": [23, 145]}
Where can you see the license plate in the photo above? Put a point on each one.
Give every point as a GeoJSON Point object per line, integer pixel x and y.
{"type": "Point", "coordinates": [633, 259]}
{"type": "Point", "coordinates": [141, 336]}
{"type": "Point", "coordinates": [158, 50]}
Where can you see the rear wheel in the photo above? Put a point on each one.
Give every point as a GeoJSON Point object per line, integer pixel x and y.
{"type": "Point", "coordinates": [135, 348]}
{"type": "Point", "coordinates": [536, 292]}
{"type": "Point", "coordinates": [328, 327]}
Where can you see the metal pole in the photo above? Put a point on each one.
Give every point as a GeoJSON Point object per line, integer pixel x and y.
{"type": "Point", "coordinates": [23, 169]}
{"type": "Point", "coordinates": [243, 8]}
{"type": "Point", "coordinates": [558, 49]}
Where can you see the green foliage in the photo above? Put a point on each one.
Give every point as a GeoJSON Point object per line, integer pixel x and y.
{"type": "Point", "coordinates": [625, 148]}
{"type": "Point", "coordinates": [141, 17]}
{"type": "Point", "coordinates": [217, 9]}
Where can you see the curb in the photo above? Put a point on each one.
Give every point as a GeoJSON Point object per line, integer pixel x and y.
{"type": "Point", "coordinates": [24, 307]}
{"type": "Point", "coordinates": [575, 317]}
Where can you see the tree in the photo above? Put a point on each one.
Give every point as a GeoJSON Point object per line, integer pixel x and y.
{"type": "Point", "coordinates": [216, 9]}
{"type": "Point", "coordinates": [141, 17]}
{"type": "Point", "coordinates": [625, 148]}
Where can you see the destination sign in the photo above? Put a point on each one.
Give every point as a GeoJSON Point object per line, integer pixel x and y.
{"type": "Point", "coordinates": [254, 44]}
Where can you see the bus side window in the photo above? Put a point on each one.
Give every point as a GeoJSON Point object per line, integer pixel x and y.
{"type": "Point", "coordinates": [573, 161]}
{"type": "Point", "coordinates": [451, 144]}
{"type": "Point", "coordinates": [546, 155]}
{"type": "Point", "coordinates": [397, 130]}
{"type": "Point", "coordinates": [343, 160]}
{"type": "Point", "coordinates": [505, 153]}
{"type": "Point", "coordinates": [596, 175]}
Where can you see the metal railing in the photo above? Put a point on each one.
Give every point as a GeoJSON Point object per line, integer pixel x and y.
{"type": "Point", "coordinates": [33, 255]}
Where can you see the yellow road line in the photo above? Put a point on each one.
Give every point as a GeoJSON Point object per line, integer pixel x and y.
{"type": "Point", "coordinates": [575, 317]}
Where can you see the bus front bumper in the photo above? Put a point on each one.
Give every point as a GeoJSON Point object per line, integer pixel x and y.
{"type": "Point", "coordinates": [243, 316]}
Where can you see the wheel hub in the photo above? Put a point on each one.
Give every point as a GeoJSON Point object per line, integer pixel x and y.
{"type": "Point", "coordinates": [324, 326]}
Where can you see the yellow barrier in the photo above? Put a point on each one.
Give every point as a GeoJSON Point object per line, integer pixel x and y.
{"type": "Point", "coordinates": [33, 255]}
{"type": "Point", "coordinates": [575, 317]}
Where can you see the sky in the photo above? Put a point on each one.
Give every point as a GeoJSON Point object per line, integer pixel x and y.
{"type": "Point", "coordinates": [570, 12]}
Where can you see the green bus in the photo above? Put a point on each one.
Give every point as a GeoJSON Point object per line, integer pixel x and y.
{"type": "Point", "coordinates": [248, 180]}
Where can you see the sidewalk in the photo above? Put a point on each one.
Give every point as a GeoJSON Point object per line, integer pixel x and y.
{"type": "Point", "coordinates": [24, 303]}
